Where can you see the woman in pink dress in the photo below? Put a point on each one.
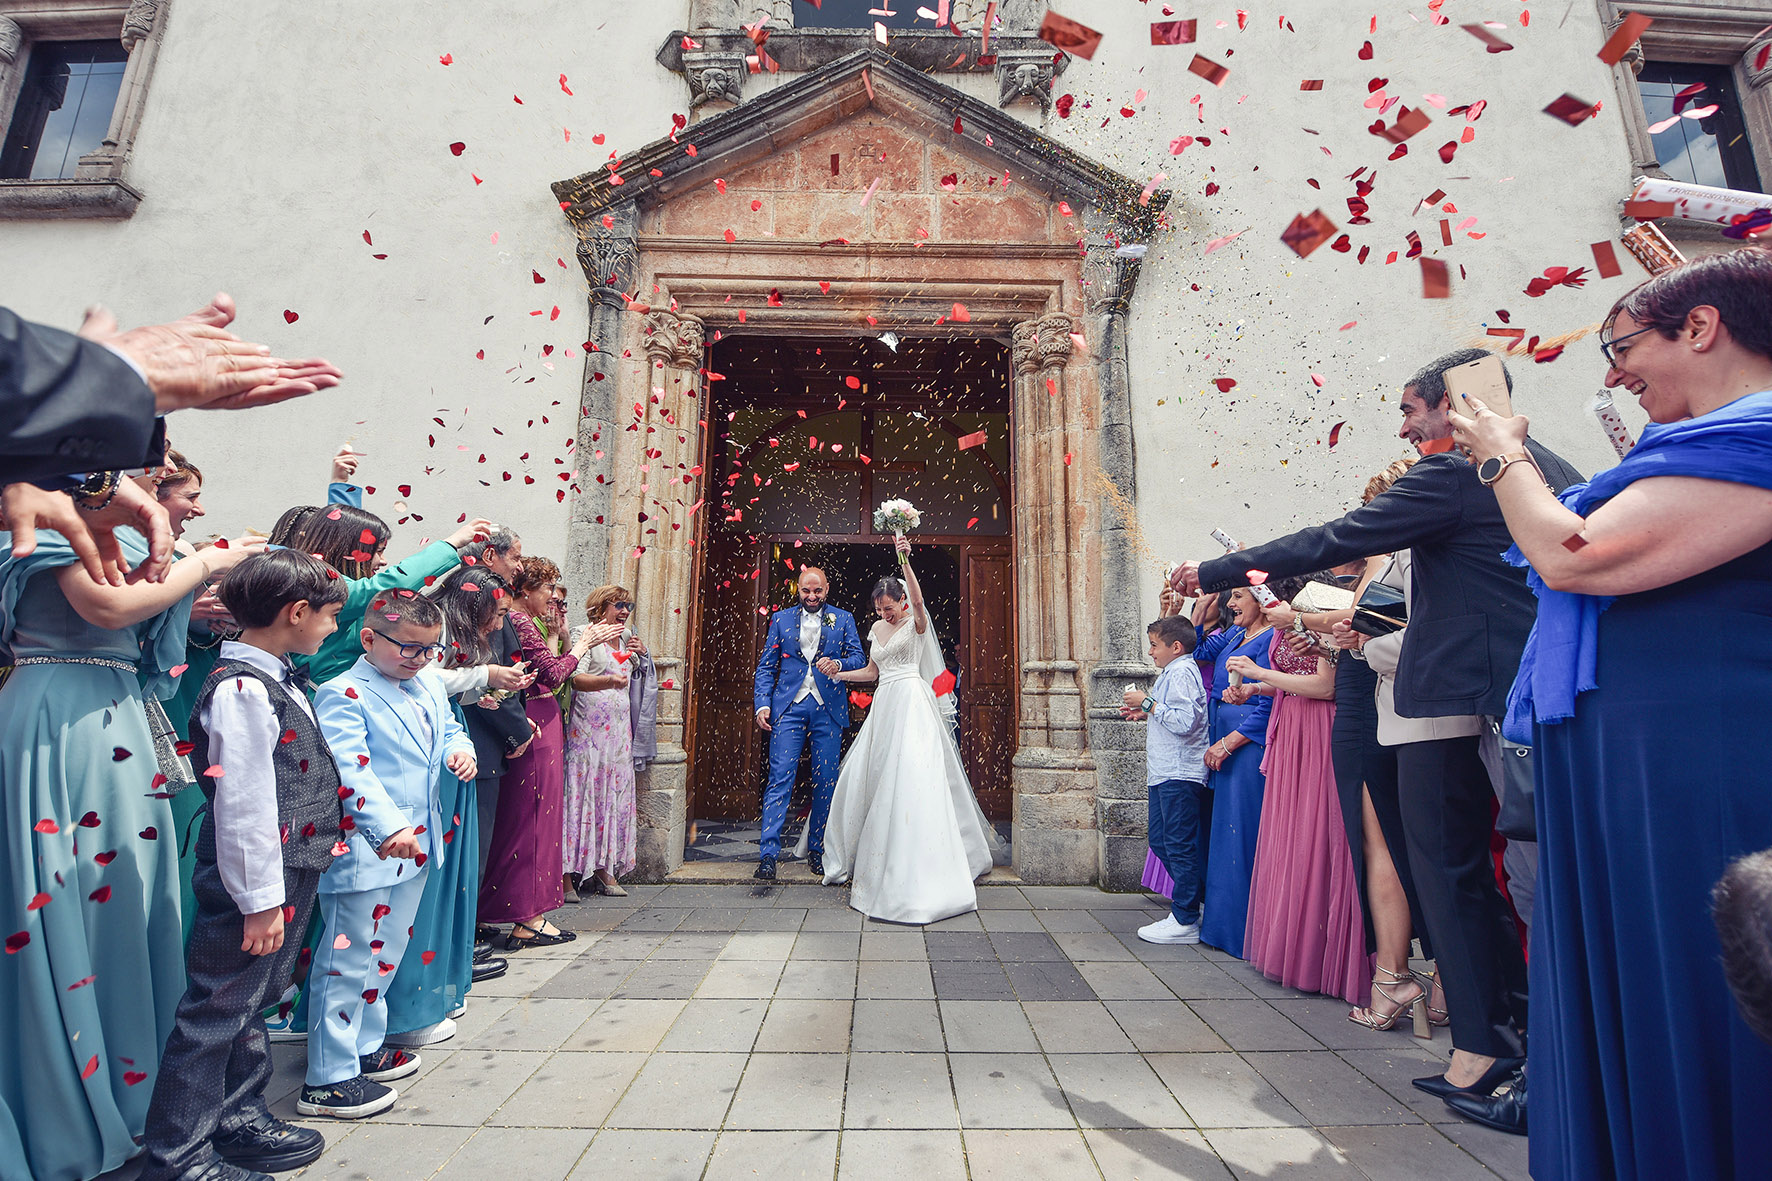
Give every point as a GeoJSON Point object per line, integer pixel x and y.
{"type": "Point", "coordinates": [600, 817]}
{"type": "Point", "coordinates": [520, 881]}
{"type": "Point", "coordinates": [1305, 929]}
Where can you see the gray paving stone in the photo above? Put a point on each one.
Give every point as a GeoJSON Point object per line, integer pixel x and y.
{"type": "Point", "coordinates": [899, 1091]}
{"type": "Point", "coordinates": [972, 946]}
{"type": "Point", "coordinates": [1198, 980]}
{"type": "Point", "coordinates": [656, 1156]}
{"type": "Point", "coordinates": [1058, 1155]}
{"type": "Point", "coordinates": [987, 1027]}
{"type": "Point", "coordinates": [894, 980]}
{"type": "Point", "coordinates": [1279, 1152]}
{"type": "Point", "coordinates": [1327, 1090]}
{"type": "Point", "coordinates": [773, 919]}
{"type": "Point", "coordinates": [679, 1091]}
{"type": "Point", "coordinates": [827, 945]}
{"type": "Point", "coordinates": [1076, 1027]}
{"type": "Point", "coordinates": [1069, 922]}
{"type": "Point", "coordinates": [1406, 1151]}
{"type": "Point", "coordinates": [716, 1026]}
{"type": "Point", "coordinates": [1153, 1154]}
{"type": "Point", "coordinates": [664, 979]}
{"type": "Point", "coordinates": [625, 1024]}
{"type": "Point", "coordinates": [897, 1025]}
{"type": "Point", "coordinates": [893, 945]}
{"type": "Point", "coordinates": [1008, 1091]}
{"type": "Point", "coordinates": [1122, 921]}
{"type": "Point", "coordinates": [583, 979]}
{"type": "Point", "coordinates": [1028, 946]}
{"type": "Point", "coordinates": [1079, 898]}
{"type": "Point", "coordinates": [528, 1025]}
{"type": "Point", "coordinates": [806, 1027]}
{"type": "Point", "coordinates": [778, 1154]}
{"type": "Point", "coordinates": [1001, 898]}
{"type": "Point", "coordinates": [1041, 980]}
{"type": "Point", "coordinates": [1251, 978]}
{"type": "Point", "coordinates": [1090, 946]}
{"type": "Point", "coordinates": [960, 922]}
{"type": "Point", "coordinates": [1503, 1154]}
{"type": "Point", "coordinates": [1009, 920]}
{"type": "Point", "coordinates": [1160, 953]}
{"type": "Point", "coordinates": [833, 919]}
{"type": "Point", "coordinates": [811, 897]}
{"type": "Point", "coordinates": [1403, 1058]}
{"type": "Point", "coordinates": [1164, 1027]}
{"type": "Point", "coordinates": [525, 975]}
{"type": "Point", "coordinates": [398, 1152]}
{"type": "Point", "coordinates": [723, 897]}
{"type": "Point", "coordinates": [715, 918]}
{"type": "Point", "coordinates": [693, 945]}
{"type": "Point", "coordinates": [571, 1089]}
{"type": "Point", "coordinates": [877, 1155]}
{"type": "Point", "coordinates": [1252, 1025]}
{"type": "Point", "coordinates": [1325, 1018]}
{"type": "Point", "coordinates": [655, 918]}
{"type": "Point", "coordinates": [966, 980]}
{"type": "Point", "coordinates": [818, 980]}
{"type": "Point", "coordinates": [758, 945]}
{"type": "Point", "coordinates": [464, 1090]}
{"type": "Point", "coordinates": [741, 979]}
{"type": "Point", "coordinates": [1126, 981]}
{"type": "Point", "coordinates": [1223, 1091]}
{"type": "Point", "coordinates": [803, 1091]}
{"type": "Point", "coordinates": [629, 945]}
{"type": "Point", "coordinates": [548, 1154]}
{"type": "Point", "coordinates": [1116, 1091]}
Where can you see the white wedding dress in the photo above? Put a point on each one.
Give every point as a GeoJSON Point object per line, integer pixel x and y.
{"type": "Point", "coordinates": [905, 829]}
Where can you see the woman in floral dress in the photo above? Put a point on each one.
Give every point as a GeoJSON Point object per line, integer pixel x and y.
{"type": "Point", "coordinates": [600, 819]}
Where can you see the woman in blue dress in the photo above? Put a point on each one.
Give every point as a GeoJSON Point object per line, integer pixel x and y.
{"type": "Point", "coordinates": [1650, 741]}
{"type": "Point", "coordinates": [89, 884]}
{"type": "Point", "coordinates": [1238, 719]}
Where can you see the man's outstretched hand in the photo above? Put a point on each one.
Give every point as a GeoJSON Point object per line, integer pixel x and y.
{"type": "Point", "coordinates": [1186, 579]}
{"type": "Point", "coordinates": [193, 363]}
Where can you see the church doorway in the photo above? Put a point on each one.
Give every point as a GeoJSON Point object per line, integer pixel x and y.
{"type": "Point", "coordinates": [805, 437]}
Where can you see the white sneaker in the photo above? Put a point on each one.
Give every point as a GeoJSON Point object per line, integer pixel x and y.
{"type": "Point", "coordinates": [427, 1035]}
{"type": "Point", "coordinates": [458, 1011]}
{"type": "Point", "coordinates": [277, 1025]}
{"type": "Point", "coordinates": [1169, 931]}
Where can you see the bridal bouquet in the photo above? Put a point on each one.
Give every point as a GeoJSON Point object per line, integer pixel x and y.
{"type": "Point", "coordinates": [900, 516]}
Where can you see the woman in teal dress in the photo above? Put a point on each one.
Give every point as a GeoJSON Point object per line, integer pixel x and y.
{"type": "Point", "coordinates": [89, 877]}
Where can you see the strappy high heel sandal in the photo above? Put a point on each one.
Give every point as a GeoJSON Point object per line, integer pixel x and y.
{"type": "Point", "coordinates": [1416, 1006]}
{"type": "Point", "coordinates": [1438, 1018]}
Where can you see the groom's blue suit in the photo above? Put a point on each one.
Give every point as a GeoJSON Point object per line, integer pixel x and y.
{"type": "Point", "coordinates": [781, 673]}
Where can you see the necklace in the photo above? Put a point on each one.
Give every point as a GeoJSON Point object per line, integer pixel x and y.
{"type": "Point", "coordinates": [1249, 637]}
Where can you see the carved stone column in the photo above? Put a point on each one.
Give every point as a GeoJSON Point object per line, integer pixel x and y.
{"type": "Point", "coordinates": [11, 37]}
{"type": "Point", "coordinates": [657, 493]}
{"type": "Point", "coordinates": [1054, 773]}
{"type": "Point", "coordinates": [140, 27]}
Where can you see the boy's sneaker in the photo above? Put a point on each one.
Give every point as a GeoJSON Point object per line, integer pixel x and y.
{"type": "Point", "coordinates": [354, 1098]}
{"type": "Point", "coordinates": [280, 1023]}
{"type": "Point", "coordinates": [388, 1064]}
{"type": "Point", "coordinates": [1170, 931]}
{"type": "Point", "coordinates": [428, 1035]}
{"type": "Point", "coordinates": [270, 1145]}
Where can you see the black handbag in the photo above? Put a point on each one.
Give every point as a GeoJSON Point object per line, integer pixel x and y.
{"type": "Point", "coordinates": [1380, 611]}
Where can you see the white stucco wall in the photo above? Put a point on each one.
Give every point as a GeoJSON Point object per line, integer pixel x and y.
{"type": "Point", "coordinates": [277, 134]}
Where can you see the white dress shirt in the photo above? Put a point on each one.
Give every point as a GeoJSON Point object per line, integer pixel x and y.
{"type": "Point", "coordinates": [242, 729]}
{"type": "Point", "coordinates": [811, 632]}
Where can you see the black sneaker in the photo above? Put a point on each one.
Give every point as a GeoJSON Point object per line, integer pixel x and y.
{"type": "Point", "coordinates": [815, 863]}
{"type": "Point", "coordinates": [388, 1064]}
{"type": "Point", "coordinates": [765, 870]}
{"type": "Point", "coordinates": [269, 1145]}
{"type": "Point", "coordinates": [355, 1098]}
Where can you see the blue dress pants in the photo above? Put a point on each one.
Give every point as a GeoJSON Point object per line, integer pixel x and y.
{"type": "Point", "coordinates": [800, 721]}
{"type": "Point", "coordinates": [353, 966]}
{"type": "Point", "coordinates": [1178, 838]}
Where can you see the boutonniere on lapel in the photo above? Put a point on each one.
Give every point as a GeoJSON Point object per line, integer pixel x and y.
{"type": "Point", "coordinates": [830, 620]}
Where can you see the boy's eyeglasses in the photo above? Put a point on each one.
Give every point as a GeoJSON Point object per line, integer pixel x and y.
{"type": "Point", "coordinates": [412, 651]}
{"type": "Point", "coordinates": [1606, 346]}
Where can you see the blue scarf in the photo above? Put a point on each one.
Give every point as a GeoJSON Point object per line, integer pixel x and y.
{"type": "Point", "coordinates": [1732, 443]}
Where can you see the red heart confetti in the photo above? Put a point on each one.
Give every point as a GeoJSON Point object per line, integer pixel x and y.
{"type": "Point", "coordinates": [289, 317]}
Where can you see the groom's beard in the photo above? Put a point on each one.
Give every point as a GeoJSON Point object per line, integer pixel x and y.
{"type": "Point", "coordinates": [811, 610]}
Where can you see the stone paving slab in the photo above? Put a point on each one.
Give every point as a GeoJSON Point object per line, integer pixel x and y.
{"type": "Point", "coordinates": [719, 1031]}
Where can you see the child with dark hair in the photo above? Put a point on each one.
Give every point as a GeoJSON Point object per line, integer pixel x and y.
{"type": "Point", "coordinates": [271, 822]}
{"type": "Point", "coordinates": [1175, 774]}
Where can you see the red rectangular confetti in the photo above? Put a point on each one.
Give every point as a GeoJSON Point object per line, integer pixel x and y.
{"type": "Point", "coordinates": [1311, 84]}
{"type": "Point", "coordinates": [1308, 231]}
{"type": "Point", "coordinates": [1445, 231]}
{"type": "Point", "coordinates": [1063, 33]}
{"type": "Point", "coordinates": [1209, 70]}
{"type": "Point", "coordinates": [1173, 32]}
{"type": "Point", "coordinates": [1606, 260]}
{"type": "Point", "coordinates": [1436, 282]}
{"type": "Point", "coordinates": [1490, 41]}
{"type": "Point", "coordinates": [1619, 43]}
{"type": "Point", "coordinates": [976, 439]}
{"type": "Point", "coordinates": [1409, 121]}
{"type": "Point", "coordinates": [1570, 110]}
{"type": "Point", "coordinates": [1645, 210]}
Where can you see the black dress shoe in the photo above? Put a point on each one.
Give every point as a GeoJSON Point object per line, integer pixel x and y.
{"type": "Point", "coordinates": [815, 863]}
{"type": "Point", "coordinates": [482, 952]}
{"type": "Point", "coordinates": [218, 1169]}
{"type": "Point", "coordinates": [1436, 1084]}
{"type": "Point", "coordinates": [489, 969]}
{"type": "Point", "coordinates": [1505, 1112]}
{"type": "Point", "coordinates": [269, 1145]}
{"type": "Point", "coordinates": [765, 870]}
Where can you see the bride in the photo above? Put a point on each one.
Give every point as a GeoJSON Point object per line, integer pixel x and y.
{"type": "Point", "coordinates": [904, 826]}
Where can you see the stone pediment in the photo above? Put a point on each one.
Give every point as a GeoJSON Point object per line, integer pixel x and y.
{"type": "Point", "coordinates": [861, 85]}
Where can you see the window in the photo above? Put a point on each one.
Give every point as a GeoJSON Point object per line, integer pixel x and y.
{"type": "Point", "coordinates": [861, 14]}
{"type": "Point", "coordinates": [64, 108]}
{"type": "Point", "coordinates": [1713, 150]}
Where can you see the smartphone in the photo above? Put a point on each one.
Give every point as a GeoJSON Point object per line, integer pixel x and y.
{"type": "Point", "coordinates": [1483, 379]}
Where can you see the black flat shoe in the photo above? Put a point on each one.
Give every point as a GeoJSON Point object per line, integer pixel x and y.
{"type": "Point", "coordinates": [1505, 1112]}
{"type": "Point", "coordinates": [536, 937]}
{"type": "Point", "coordinates": [489, 934]}
{"type": "Point", "coordinates": [269, 1145]}
{"type": "Point", "coordinates": [765, 870]}
{"type": "Point", "coordinates": [1436, 1084]}
{"type": "Point", "coordinates": [490, 969]}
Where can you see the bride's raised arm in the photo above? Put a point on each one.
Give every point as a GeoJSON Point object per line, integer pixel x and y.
{"type": "Point", "coordinates": [919, 616]}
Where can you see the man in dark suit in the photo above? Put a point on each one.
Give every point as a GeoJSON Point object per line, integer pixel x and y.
{"type": "Point", "coordinates": [1468, 622]}
{"type": "Point", "coordinates": [795, 700]}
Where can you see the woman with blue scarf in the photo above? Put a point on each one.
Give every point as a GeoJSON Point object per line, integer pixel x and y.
{"type": "Point", "coordinates": [89, 884]}
{"type": "Point", "coordinates": [1650, 739]}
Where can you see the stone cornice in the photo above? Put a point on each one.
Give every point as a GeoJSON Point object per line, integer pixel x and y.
{"type": "Point", "coordinates": [797, 50]}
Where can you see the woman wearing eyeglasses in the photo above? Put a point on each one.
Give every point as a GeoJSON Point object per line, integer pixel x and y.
{"type": "Point", "coordinates": [600, 819]}
{"type": "Point", "coordinates": [1649, 784]}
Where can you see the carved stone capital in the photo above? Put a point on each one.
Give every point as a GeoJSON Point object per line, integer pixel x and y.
{"type": "Point", "coordinates": [11, 37]}
{"type": "Point", "coordinates": [609, 252]}
{"type": "Point", "coordinates": [674, 339]}
{"type": "Point", "coordinates": [1760, 77]}
{"type": "Point", "coordinates": [1024, 76]}
{"type": "Point", "coordinates": [138, 22]}
{"type": "Point", "coordinates": [716, 78]}
{"type": "Point", "coordinates": [709, 15]}
{"type": "Point", "coordinates": [1039, 345]}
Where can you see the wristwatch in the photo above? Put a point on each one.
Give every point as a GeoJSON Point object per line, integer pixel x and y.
{"type": "Point", "coordinates": [1148, 704]}
{"type": "Point", "coordinates": [1491, 469]}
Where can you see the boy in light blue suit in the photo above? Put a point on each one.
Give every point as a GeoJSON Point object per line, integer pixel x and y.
{"type": "Point", "coordinates": [392, 733]}
{"type": "Point", "coordinates": [794, 700]}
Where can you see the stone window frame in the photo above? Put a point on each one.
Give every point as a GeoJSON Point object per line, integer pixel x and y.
{"type": "Point", "coordinates": [99, 187]}
{"type": "Point", "coordinates": [1726, 34]}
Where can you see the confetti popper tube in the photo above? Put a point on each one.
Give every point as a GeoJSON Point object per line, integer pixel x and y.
{"type": "Point", "coordinates": [1226, 540]}
{"type": "Point", "coordinates": [1616, 431]}
{"type": "Point", "coordinates": [1700, 202]}
{"type": "Point", "coordinates": [1649, 246]}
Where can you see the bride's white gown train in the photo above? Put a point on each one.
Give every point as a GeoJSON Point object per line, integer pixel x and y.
{"type": "Point", "coordinates": [905, 829]}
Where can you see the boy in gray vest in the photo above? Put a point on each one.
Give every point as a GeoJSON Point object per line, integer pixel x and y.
{"type": "Point", "coordinates": [270, 829]}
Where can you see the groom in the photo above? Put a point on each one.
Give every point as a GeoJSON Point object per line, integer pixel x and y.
{"type": "Point", "coordinates": [793, 699]}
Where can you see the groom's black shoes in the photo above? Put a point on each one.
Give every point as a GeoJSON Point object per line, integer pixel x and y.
{"type": "Point", "coordinates": [815, 863]}
{"type": "Point", "coordinates": [765, 870]}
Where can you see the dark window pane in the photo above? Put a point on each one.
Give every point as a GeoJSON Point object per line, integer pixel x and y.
{"type": "Point", "coordinates": [1711, 151]}
{"type": "Point", "coordinates": [64, 108]}
{"type": "Point", "coordinates": [861, 14]}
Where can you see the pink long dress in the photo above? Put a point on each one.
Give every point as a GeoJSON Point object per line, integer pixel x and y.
{"type": "Point", "coordinates": [600, 817]}
{"type": "Point", "coordinates": [1304, 929]}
